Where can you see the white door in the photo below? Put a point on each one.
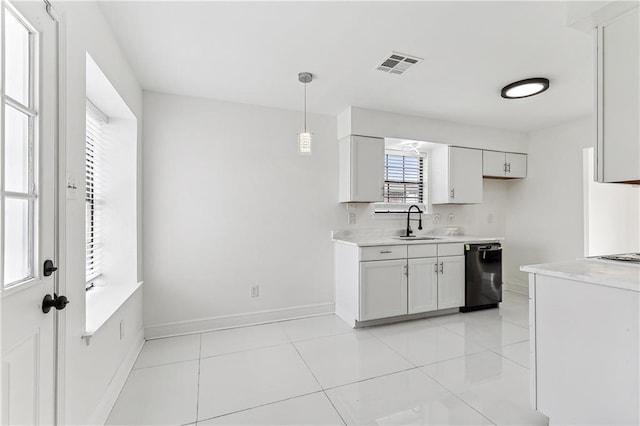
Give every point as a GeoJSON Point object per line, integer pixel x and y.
{"type": "Point", "coordinates": [423, 285]}
{"type": "Point", "coordinates": [465, 175]}
{"type": "Point", "coordinates": [383, 289]}
{"type": "Point", "coordinates": [27, 204]}
{"type": "Point", "coordinates": [451, 282]}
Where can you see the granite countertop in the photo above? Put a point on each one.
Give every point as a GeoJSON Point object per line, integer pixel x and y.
{"type": "Point", "coordinates": [594, 271]}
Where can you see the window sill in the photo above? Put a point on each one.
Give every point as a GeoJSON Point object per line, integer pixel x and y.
{"type": "Point", "coordinates": [102, 302]}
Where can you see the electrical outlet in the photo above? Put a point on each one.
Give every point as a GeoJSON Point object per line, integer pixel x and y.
{"type": "Point", "coordinates": [452, 218]}
{"type": "Point", "coordinates": [255, 291]}
{"type": "Point", "coordinates": [121, 329]}
{"type": "Point", "coordinates": [436, 218]}
{"type": "Point", "coordinates": [351, 218]}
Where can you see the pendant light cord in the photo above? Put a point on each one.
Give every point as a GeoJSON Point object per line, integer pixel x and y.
{"type": "Point", "coordinates": [305, 107]}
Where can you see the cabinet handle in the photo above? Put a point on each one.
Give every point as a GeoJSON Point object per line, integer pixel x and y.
{"type": "Point", "coordinates": [504, 167]}
{"type": "Point", "coordinates": [442, 267]}
{"type": "Point", "coordinates": [435, 268]}
{"type": "Point", "coordinates": [386, 252]}
{"type": "Point", "coordinates": [508, 167]}
{"type": "Point", "coordinates": [406, 271]}
{"type": "Point", "coordinates": [453, 193]}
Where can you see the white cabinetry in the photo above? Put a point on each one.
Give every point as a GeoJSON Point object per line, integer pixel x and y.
{"type": "Point", "coordinates": [436, 282]}
{"type": "Point", "coordinates": [383, 289]}
{"type": "Point", "coordinates": [505, 165]}
{"type": "Point", "coordinates": [618, 110]}
{"type": "Point", "coordinates": [584, 350]}
{"type": "Point", "coordinates": [456, 175]}
{"type": "Point", "coordinates": [450, 282]}
{"type": "Point", "coordinates": [361, 169]}
{"type": "Point", "coordinates": [388, 281]}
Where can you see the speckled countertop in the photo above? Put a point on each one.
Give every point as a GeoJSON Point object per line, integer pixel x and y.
{"type": "Point", "coordinates": [594, 271]}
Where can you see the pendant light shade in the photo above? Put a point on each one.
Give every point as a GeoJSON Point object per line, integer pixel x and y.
{"type": "Point", "coordinates": [304, 138]}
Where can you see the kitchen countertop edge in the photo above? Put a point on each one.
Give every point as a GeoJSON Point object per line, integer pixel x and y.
{"type": "Point", "coordinates": [390, 241]}
{"type": "Point", "coordinates": [592, 271]}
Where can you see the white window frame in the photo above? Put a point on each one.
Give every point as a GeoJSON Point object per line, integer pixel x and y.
{"type": "Point", "coordinates": [33, 187]}
{"type": "Point", "coordinates": [383, 207]}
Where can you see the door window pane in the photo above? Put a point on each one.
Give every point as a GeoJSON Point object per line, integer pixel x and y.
{"type": "Point", "coordinates": [16, 150]}
{"type": "Point", "coordinates": [17, 234]}
{"type": "Point", "coordinates": [16, 59]}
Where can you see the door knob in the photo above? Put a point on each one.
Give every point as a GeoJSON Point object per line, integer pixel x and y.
{"type": "Point", "coordinates": [48, 268]}
{"type": "Point", "coordinates": [58, 302]}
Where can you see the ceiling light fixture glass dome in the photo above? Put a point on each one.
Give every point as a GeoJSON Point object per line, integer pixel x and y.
{"type": "Point", "coordinates": [525, 88]}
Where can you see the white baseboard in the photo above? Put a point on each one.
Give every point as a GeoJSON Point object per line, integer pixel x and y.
{"type": "Point", "coordinates": [110, 396]}
{"type": "Point", "coordinates": [517, 288]}
{"type": "Point", "coordinates": [232, 321]}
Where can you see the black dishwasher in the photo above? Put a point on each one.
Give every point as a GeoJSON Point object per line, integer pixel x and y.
{"type": "Point", "coordinates": [483, 276]}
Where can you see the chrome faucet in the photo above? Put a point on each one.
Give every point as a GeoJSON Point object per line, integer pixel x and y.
{"type": "Point", "coordinates": [409, 231]}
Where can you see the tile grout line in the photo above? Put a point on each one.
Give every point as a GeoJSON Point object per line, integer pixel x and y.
{"type": "Point", "coordinates": [259, 406]}
{"type": "Point", "coordinates": [456, 395]}
{"type": "Point", "coordinates": [319, 384]}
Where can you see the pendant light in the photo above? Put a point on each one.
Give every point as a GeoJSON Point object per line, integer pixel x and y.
{"type": "Point", "coordinates": [304, 138]}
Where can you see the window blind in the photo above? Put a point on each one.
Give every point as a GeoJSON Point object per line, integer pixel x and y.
{"type": "Point", "coordinates": [403, 179]}
{"type": "Point", "coordinates": [94, 147]}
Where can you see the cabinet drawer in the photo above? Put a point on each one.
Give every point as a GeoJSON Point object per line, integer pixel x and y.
{"type": "Point", "coordinates": [383, 253]}
{"type": "Point", "coordinates": [422, 250]}
{"type": "Point", "coordinates": [451, 249]}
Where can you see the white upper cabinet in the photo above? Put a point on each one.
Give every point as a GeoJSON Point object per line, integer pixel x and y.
{"type": "Point", "coordinates": [618, 117]}
{"type": "Point", "coordinates": [456, 175]}
{"type": "Point", "coordinates": [505, 165]}
{"type": "Point", "coordinates": [361, 169]}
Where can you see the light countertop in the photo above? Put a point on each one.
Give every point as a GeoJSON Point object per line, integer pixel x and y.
{"type": "Point", "coordinates": [367, 241]}
{"type": "Point", "coordinates": [594, 271]}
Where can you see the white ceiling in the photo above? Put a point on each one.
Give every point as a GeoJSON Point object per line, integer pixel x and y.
{"type": "Point", "coordinates": [252, 52]}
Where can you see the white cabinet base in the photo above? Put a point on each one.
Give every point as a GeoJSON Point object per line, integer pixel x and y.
{"type": "Point", "coordinates": [585, 368]}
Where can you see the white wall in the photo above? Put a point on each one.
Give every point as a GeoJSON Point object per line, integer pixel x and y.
{"type": "Point", "coordinates": [90, 370]}
{"type": "Point", "coordinates": [545, 210]}
{"type": "Point", "coordinates": [230, 204]}
{"type": "Point", "coordinates": [366, 122]}
{"type": "Point", "coordinates": [611, 214]}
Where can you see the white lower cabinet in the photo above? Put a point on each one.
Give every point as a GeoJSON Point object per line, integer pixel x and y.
{"type": "Point", "coordinates": [423, 285]}
{"type": "Point", "coordinates": [383, 289]}
{"type": "Point", "coordinates": [450, 282]}
{"type": "Point", "coordinates": [388, 281]}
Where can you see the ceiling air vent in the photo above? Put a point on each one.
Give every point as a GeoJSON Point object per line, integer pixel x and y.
{"type": "Point", "coordinates": [398, 63]}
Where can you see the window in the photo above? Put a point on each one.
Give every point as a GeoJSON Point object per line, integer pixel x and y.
{"type": "Point", "coordinates": [20, 189]}
{"type": "Point", "coordinates": [403, 179]}
{"type": "Point", "coordinates": [95, 140]}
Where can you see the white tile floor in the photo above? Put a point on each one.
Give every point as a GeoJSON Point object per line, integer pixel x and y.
{"type": "Point", "coordinates": [457, 369]}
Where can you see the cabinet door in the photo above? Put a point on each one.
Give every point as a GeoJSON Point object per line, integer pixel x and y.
{"type": "Point", "coordinates": [618, 103]}
{"type": "Point", "coordinates": [383, 289]}
{"type": "Point", "coordinates": [465, 175]}
{"type": "Point", "coordinates": [493, 164]}
{"type": "Point", "coordinates": [361, 169]}
{"type": "Point", "coordinates": [516, 165]}
{"type": "Point", "coordinates": [423, 285]}
{"type": "Point", "coordinates": [450, 282]}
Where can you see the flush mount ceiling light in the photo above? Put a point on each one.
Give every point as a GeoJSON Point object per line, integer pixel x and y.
{"type": "Point", "coordinates": [525, 88]}
{"type": "Point", "coordinates": [304, 138]}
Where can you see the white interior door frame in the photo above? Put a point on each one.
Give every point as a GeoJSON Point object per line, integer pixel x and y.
{"type": "Point", "coordinates": [60, 211]}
